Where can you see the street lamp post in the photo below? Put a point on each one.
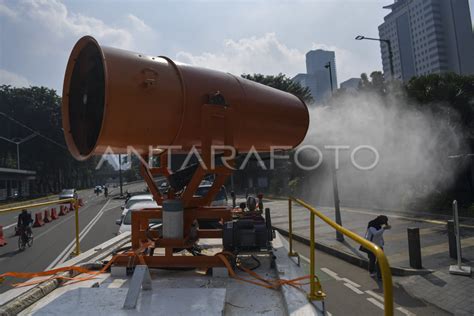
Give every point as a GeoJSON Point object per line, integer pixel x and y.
{"type": "Point", "coordinates": [18, 143]}
{"type": "Point", "coordinates": [339, 236]}
{"type": "Point", "coordinates": [389, 45]}
{"type": "Point", "coordinates": [328, 66]}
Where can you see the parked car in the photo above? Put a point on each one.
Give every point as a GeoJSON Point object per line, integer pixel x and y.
{"type": "Point", "coordinates": [68, 194]}
{"type": "Point", "coordinates": [221, 197]}
{"type": "Point", "coordinates": [126, 221]}
{"type": "Point", "coordinates": [135, 199]}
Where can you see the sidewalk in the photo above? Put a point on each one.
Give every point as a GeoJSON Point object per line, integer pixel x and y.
{"type": "Point", "coordinates": [449, 292]}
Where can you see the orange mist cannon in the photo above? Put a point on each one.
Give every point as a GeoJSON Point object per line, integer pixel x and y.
{"type": "Point", "coordinates": [114, 100]}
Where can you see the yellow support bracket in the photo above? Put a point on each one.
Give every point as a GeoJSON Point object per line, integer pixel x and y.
{"type": "Point", "coordinates": [316, 292]}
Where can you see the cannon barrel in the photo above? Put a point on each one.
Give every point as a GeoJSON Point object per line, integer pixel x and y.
{"type": "Point", "coordinates": [114, 98]}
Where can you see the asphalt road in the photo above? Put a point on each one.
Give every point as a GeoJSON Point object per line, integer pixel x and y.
{"type": "Point", "coordinates": [54, 242]}
{"type": "Point", "coordinates": [351, 291]}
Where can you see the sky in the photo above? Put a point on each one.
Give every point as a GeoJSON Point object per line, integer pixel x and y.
{"type": "Point", "coordinates": [259, 36]}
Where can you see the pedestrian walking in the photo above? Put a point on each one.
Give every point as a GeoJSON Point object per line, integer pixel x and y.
{"type": "Point", "coordinates": [375, 230]}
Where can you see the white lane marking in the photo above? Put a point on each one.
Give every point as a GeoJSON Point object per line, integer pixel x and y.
{"type": "Point", "coordinates": [405, 311]}
{"type": "Point", "coordinates": [371, 293]}
{"type": "Point", "coordinates": [11, 225]}
{"type": "Point", "coordinates": [328, 313]}
{"type": "Point", "coordinates": [331, 273]}
{"type": "Point", "coordinates": [350, 282]}
{"type": "Point", "coordinates": [353, 288]}
{"type": "Point", "coordinates": [86, 230]}
{"type": "Point", "coordinates": [63, 255]}
{"type": "Point", "coordinates": [376, 303]}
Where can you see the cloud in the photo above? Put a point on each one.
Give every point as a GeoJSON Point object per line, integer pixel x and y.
{"type": "Point", "coordinates": [6, 11]}
{"type": "Point", "coordinates": [54, 17]}
{"type": "Point", "coordinates": [138, 23]}
{"type": "Point", "coordinates": [38, 35]}
{"type": "Point", "coordinates": [268, 55]}
{"type": "Point", "coordinates": [264, 54]}
{"type": "Point", "coordinates": [13, 79]}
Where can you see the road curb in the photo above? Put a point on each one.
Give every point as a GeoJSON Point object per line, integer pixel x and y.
{"type": "Point", "coordinates": [350, 258]}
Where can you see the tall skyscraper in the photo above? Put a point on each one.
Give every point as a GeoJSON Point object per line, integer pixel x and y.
{"type": "Point", "coordinates": [317, 77]}
{"type": "Point", "coordinates": [428, 36]}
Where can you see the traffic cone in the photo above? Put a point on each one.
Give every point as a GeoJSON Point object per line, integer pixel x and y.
{"type": "Point", "coordinates": [38, 220]}
{"type": "Point", "coordinates": [54, 215]}
{"type": "Point", "coordinates": [47, 217]}
{"type": "Point", "coordinates": [63, 210]}
{"type": "Point", "coordinates": [3, 242]}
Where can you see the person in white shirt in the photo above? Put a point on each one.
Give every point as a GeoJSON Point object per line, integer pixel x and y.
{"type": "Point", "coordinates": [375, 230]}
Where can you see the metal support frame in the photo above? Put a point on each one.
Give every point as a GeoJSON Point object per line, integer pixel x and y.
{"type": "Point", "coordinates": [213, 115]}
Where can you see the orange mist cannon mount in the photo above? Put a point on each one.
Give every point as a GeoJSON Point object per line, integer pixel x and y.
{"type": "Point", "coordinates": [114, 100]}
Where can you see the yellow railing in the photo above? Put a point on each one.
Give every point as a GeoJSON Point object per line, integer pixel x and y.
{"type": "Point", "coordinates": [315, 287]}
{"type": "Point", "coordinates": [63, 201]}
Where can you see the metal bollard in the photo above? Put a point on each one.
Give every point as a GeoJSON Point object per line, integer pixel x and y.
{"type": "Point", "coordinates": [414, 247]}
{"type": "Point", "coordinates": [452, 240]}
{"type": "Point", "coordinates": [459, 268]}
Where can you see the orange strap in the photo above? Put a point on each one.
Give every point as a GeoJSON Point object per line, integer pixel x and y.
{"type": "Point", "coordinates": [267, 283]}
{"type": "Point", "coordinates": [92, 274]}
{"type": "Point", "coordinates": [258, 280]}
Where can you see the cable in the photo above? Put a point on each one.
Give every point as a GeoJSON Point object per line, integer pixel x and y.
{"type": "Point", "coordinates": [34, 131]}
{"type": "Point", "coordinates": [242, 267]}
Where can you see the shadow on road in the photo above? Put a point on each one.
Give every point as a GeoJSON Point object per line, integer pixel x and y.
{"type": "Point", "coordinates": [10, 254]}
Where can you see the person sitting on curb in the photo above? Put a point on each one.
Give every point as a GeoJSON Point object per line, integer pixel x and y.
{"type": "Point", "coordinates": [375, 230]}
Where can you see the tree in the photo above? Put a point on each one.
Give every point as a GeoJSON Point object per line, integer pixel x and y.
{"type": "Point", "coordinates": [39, 108]}
{"type": "Point", "coordinates": [375, 84]}
{"type": "Point", "coordinates": [450, 90]}
{"type": "Point", "coordinates": [282, 82]}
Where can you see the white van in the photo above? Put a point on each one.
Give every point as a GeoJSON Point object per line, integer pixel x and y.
{"type": "Point", "coordinates": [126, 221]}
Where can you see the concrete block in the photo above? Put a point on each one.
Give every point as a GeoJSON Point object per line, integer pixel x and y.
{"type": "Point", "coordinates": [118, 272]}
{"type": "Point", "coordinates": [220, 272]}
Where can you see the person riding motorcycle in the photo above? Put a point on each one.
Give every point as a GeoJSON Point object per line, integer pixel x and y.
{"type": "Point", "coordinates": [24, 222]}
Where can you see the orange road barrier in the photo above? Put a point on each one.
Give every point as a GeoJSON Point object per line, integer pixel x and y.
{"type": "Point", "coordinates": [47, 216]}
{"type": "Point", "coordinates": [38, 220]}
{"type": "Point", "coordinates": [3, 242]}
{"type": "Point", "coordinates": [54, 215]}
{"type": "Point", "coordinates": [63, 210]}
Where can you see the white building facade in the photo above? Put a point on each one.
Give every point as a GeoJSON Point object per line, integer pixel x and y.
{"type": "Point", "coordinates": [428, 36]}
